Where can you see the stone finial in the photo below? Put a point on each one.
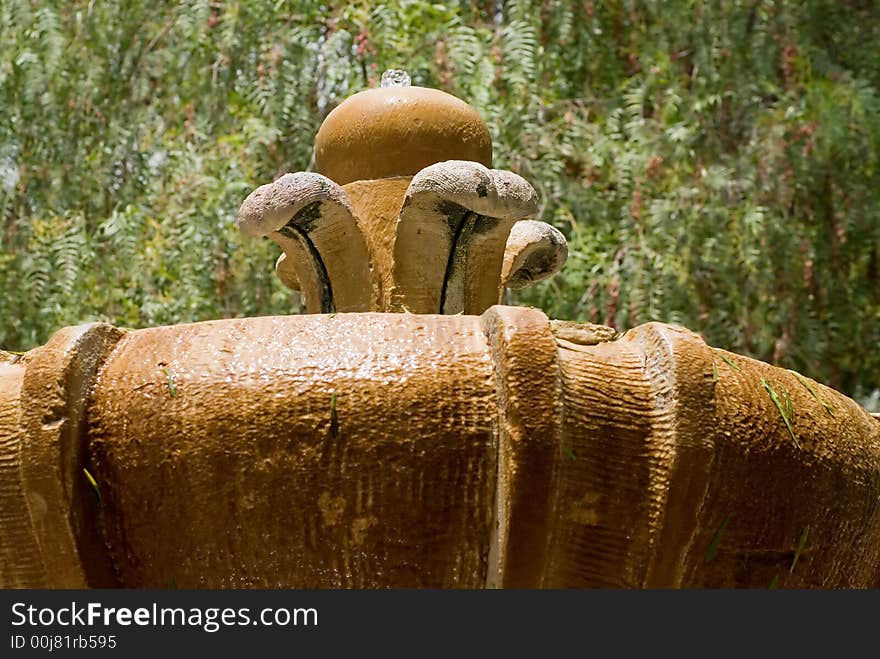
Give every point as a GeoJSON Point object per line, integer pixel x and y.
{"type": "Point", "coordinates": [398, 131]}
{"type": "Point", "coordinates": [405, 213]}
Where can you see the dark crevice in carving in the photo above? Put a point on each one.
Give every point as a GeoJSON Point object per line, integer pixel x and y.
{"type": "Point", "coordinates": [470, 225]}
{"type": "Point", "coordinates": [298, 229]}
{"type": "Point", "coordinates": [306, 220]}
{"type": "Point", "coordinates": [458, 228]}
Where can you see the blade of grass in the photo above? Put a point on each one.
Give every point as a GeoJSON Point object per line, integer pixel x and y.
{"type": "Point", "coordinates": [778, 403]}
{"type": "Point", "coordinates": [334, 418]}
{"type": "Point", "coordinates": [729, 362]}
{"type": "Point", "coordinates": [569, 453]}
{"type": "Point", "coordinates": [800, 548]}
{"type": "Point", "coordinates": [774, 582]}
{"type": "Point", "coordinates": [169, 378]}
{"type": "Point", "coordinates": [786, 398]}
{"type": "Point", "coordinates": [716, 540]}
{"type": "Point", "coordinates": [812, 390]}
{"type": "Point", "coordinates": [94, 485]}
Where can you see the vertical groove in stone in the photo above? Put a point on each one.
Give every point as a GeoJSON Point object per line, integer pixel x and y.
{"type": "Point", "coordinates": [678, 366]}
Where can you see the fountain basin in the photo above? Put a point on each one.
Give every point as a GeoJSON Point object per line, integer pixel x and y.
{"type": "Point", "coordinates": [403, 450]}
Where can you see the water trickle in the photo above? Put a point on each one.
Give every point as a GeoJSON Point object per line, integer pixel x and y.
{"type": "Point", "coordinates": [395, 78]}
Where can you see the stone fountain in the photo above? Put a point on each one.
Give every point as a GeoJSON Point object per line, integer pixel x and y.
{"type": "Point", "coordinates": [410, 431]}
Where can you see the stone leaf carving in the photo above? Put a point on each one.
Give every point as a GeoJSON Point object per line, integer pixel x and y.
{"type": "Point", "coordinates": [451, 236]}
{"type": "Point", "coordinates": [325, 255]}
{"type": "Point", "coordinates": [459, 239]}
{"type": "Point", "coordinates": [535, 251]}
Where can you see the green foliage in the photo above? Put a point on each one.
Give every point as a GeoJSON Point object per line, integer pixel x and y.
{"type": "Point", "coordinates": [713, 164]}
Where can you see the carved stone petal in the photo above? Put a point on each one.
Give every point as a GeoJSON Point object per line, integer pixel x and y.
{"type": "Point", "coordinates": [286, 272]}
{"type": "Point", "coordinates": [451, 235]}
{"type": "Point", "coordinates": [312, 220]}
{"type": "Point", "coordinates": [535, 250]}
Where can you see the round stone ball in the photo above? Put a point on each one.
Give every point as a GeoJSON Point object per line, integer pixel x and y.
{"type": "Point", "coordinates": [398, 131]}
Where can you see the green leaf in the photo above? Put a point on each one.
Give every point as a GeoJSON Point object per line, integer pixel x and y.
{"type": "Point", "coordinates": [716, 540]}
{"type": "Point", "coordinates": [729, 362]}
{"type": "Point", "coordinates": [169, 379]}
{"type": "Point", "coordinates": [93, 484]}
{"type": "Point", "coordinates": [802, 542]}
{"type": "Point", "coordinates": [334, 418]}
{"type": "Point", "coordinates": [812, 390]}
{"type": "Point", "coordinates": [779, 406]}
